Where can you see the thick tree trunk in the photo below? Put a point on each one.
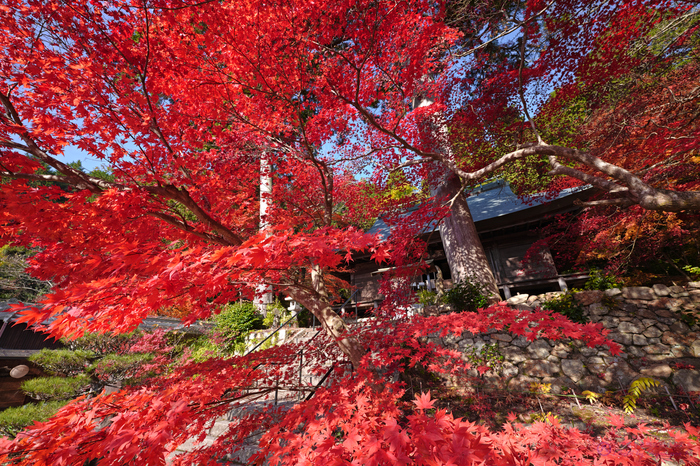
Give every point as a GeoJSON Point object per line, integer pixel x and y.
{"type": "Point", "coordinates": [463, 248]}
{"type": "Point", "coordinates": [334, 326]}
{"type": "Point", "coordinates": [318, 303]}
{"type": "Point", "coordinates": [465, 253]}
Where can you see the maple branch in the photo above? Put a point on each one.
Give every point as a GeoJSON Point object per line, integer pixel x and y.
{"type": "Point", "coordinates": [49, 178]}
{"type": "Point", "coordinates": [622, 202]}
{"type": "Point", "coordinates": [409, 163]}
{"type": "Point", "coordinates": [366, 154]}
{"type": "Point", "coordinates": [521, 90]}
{"type": "Point", "coordinates": [179, 224]}
{"type": "Point", "coordinates": [182, 196]}
{"type": "Point", "coordinates": [638, 191]}
{"type": "Point", "coordinates": [504, 33]}
{"type": "Point", "coordinates": [559, 169]}
{"type": "Point", "coordinates": [32, 147]}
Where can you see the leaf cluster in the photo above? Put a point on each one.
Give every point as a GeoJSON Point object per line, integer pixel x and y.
{"type": "Point", "coordinates": [566, 305]}
{"type": "Point", "coordinates": [635, 390]}
{"type": "Point", "coordinates": [15, 419]}
{"type": "Point", "coordinates": [467, 296]}
{"type": "Point", "coordinates": [63, 361]}
{"type": "Point", "coordinates": [56, 388]}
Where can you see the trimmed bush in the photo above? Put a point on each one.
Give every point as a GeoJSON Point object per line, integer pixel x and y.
{"type": "Point", "coordinates": [14, 420]}
{"type": "Point", "coordinates": [102, 343]}
{"type": "Point", "coordinates": [467, 296]}
{"type": "Point", "coordinates": [235, 321]}
{"type": "Point", "coordinates": [62, 361]}
{"type": "Point", "coordinates": [56, 388]}
{"type": "Point", "coordinates": [566, 305]}
{"type": "Point", "coordinates": [120, 366]}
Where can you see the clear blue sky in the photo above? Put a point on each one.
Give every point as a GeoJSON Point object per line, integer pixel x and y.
{"type": "Point", "coordinates": [73, 154]}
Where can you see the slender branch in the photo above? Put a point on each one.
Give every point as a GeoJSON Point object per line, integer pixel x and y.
{"type": "Point", "coordinates": [60, 179]}
{"type": "Point", "coordinates": [182, 196]}
{"type": "Point", "coordinates": [505, 33]}
{"type": "Point", "coordinates": [559, 169]}
{"type": "Point", "coordinates": [409, 163]}
{"type": "Point", "coordinates": [521, 90]}
{"type": "Point", "coordinates": [179, 224]}
{"type": "Point", "coordinates": [622, 202]}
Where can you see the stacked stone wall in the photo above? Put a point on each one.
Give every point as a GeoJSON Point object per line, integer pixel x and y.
{"type": "Point", "coordinates": [657, 328]}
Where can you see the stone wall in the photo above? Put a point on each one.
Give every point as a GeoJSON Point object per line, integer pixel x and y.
{"type": "Point", "coordinates": [645, 321]}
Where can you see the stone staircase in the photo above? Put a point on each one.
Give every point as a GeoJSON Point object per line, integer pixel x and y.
{"type": "Point", "coordinates": [284, 398]}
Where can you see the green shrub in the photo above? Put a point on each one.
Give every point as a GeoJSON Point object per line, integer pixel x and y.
{"type": "Point", "coordinates": [467, 296]}
{"type": "Point", "coordinates": [276, 315]}
{"type": "Point", "coordinates": [427, 298]}
{"type": "Point", "coordinates": [203, 349]}
{"type": "Point", "coordinates": [235, 321]}
{"type": "Point", "coordinates": [14, 420]}
{"type": "Point", "coordinates": [56, 388]}
{"type": "Point", "coordinates": [566, 305]}
{"type": "Point", "coordinates": [102, 343]}
{"type": "Point", "coordinates": [120, 366]}
{"type": "Point", "coordinates": [600, 280]}
{"type": "Point", "coordinates": [62, 361]}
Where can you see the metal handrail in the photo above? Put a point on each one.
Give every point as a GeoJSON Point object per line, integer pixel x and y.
{"type": "Point", "coordinates": [301, 351]}
{"type": "Point", "coordinates": [323, 379]}
{"type": "Point", "coordinates": [274, 332]}
{"type": "Point", "coordinates": [342, 308]}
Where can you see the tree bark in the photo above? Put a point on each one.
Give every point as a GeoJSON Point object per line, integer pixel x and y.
{"type": "Point", "coordinates": [318, 303]}
{"type": "Point", "coordinates": [465, 253]}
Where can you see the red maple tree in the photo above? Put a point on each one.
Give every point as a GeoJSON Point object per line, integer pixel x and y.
{"type": "Point", "coordinates": [182, 101]}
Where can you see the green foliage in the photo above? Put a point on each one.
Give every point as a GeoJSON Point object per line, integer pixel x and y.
{"type": "Point", "coordinates": [276, 315]}
{"type": "Point", "coordinates": [305, 318]}
{"type": "Point", "coordinates": [600, 280]}
{"type": "Point", "coordinates": [234, 322]}
{"type": "Point", "coordinates": [238, 316]}
{"type": "Point", "coordinates": [467, 296]}
{"type": "Point", "coordinates": [14, 420]}
{"type": "Point", "coordinates": [56, 388]}
{"type": "Point", "coordinates": [103, 173]}
{"type": "Point", "coordinates": [636, 388]}
{"type": "Point", "coordinates": [101, 344]}
{"type": "Point", "coordinates": [62, 361]}
{"type": "Point", "coordinates": [204, 348]}
{"type": "Point", "coordinates": [692, 269]}
{"type": "Point", "coordinates": [566, 305]}
{"type": "Point", "coordinates": [688, 316]}
{"type": "Point", "coordinates": [427, 298]}
{"type": "Point", "coordinates": [15, 283]}
{"type": "Point", "coordinates": [120, 366]}
{"type": "Point", "coordinates": [488, 355]}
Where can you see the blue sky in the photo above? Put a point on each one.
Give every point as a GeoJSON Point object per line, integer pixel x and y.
{"type": "Point", "coordinates": [73, 154]}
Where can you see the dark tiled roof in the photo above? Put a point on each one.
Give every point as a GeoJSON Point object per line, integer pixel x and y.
{"type": "Point", "coordinates": [486, 202]}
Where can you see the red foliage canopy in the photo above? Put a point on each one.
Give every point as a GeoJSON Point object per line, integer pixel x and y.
{"type": "Point", "coordinates": [182, 101]}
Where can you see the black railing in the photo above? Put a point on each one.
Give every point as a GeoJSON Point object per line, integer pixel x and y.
{"type": "Point", "coordinates": [273, 333]}
{"type": "Point", "coordinates": [349, 300]}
